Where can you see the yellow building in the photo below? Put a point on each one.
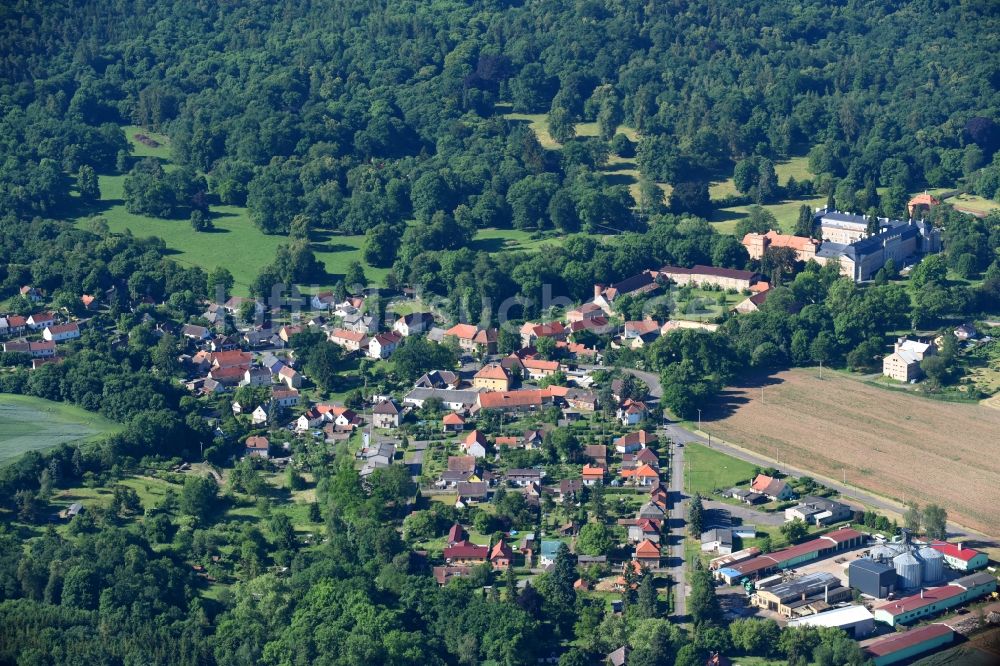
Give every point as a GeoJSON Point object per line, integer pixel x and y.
{"type": "Point", "coordinates": [492, 377]}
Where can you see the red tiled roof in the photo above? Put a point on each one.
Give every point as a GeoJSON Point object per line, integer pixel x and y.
{"type": "Point", "coordinates": [637, 437]}
{"type": "Point", "coordinates": [63, 328]}
{"type": "Point", "coordinates": [453, 418]}
{"type": "Point", "coordinates": [507, 441]}
{"type": "Point", "coordinates": [842, 535]}
{"type": "Point", "coordinates": [462, 331]}
{"type": "Point", "coordinates": [501, 550]}
{"type": "Point", "coordinates": [461, 464]}
{"type": "Point", "coordinates": [645, 471]}
{"type": "Point", "coordinates": [897, 642]}
{"type": "Point", "coordinates": [466, 550]}
{"type": "Point", "coordinates": [230, 358]}
{"type": "Point", "coordinates": [501, 399]}
{"type": "Point", "coordinates": [647, 549]}
{"type": "Point", "coordinates": [915, 601]}
{"type": "Point", "coordinates": [492, 371]}
{"type": "Point", "coordinates": [952, 550]}
{"type": "Point", "coordinates": [539, 364]}
{"type": "Point", "coordinates": [590, 471]}
{"type": "Point", "coordinates": [257, 443]}
{"type": "Point", "coordinates": [709, 270]}
{"type": "Point", "coordinates": [344, 334]}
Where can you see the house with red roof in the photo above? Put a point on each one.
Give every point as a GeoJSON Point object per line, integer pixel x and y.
{"type": "Point", "coordinates": [474, 444]}
{"type": "Point", "coordinates": [472, 338]}
{"type": "Point", "coordinates": [382, 345]}
{"type": "Point", "coordinates": [519, 401]}
{"type": "Point", "coordinates": [592, 475]}
{"type": "Point", "coordinates": [531, 332]}
{"type": "Point", "coordinates": [642, 529]}
{"type": "Point", "coordinates": [775, 489]}
{"type": "Point", "coordinates": [647, 553]}
{"type": "Point", "coordinates": [539, 368]}
{"type": "Point", "coordinates": [465, 552]}
{"type": "Point", "coordinates": [501, 555]}
{"type": "Point", "coordinates": [456, 534]}
{"type": "Point", "coordinates": [349, 340]}
{"type": "Point", "coordinates": [632, 412]}
{"type": "Point", "coordinates": [453, 422]}
{"type": "Point", "coordinates": [644, 475]}
{"type": "Point", "coordinates": [634, 441]}
{"type": "Point", "coordinates": [40, 320]}
{"type": "Point", "coordinates": [61, 332]}
{"type": "Point", "coordinates": [492, 377]}
{"type": "Point", "coordinates": [257, 445]}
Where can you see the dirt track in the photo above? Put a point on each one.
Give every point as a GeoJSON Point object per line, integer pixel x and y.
{"type": "Point", "coordinates": [901, 446]}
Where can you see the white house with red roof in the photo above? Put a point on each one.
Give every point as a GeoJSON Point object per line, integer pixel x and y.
{"type": "Point", "coordinates": [40, 320]}
{"type": "Point", "coordinates": [61, 332]}
{"type": "Point", "coordinates": [474, 444]}
{"type": "Point", "coordinates": [383, 345]}
{"type": "Point", "coordinates": [961, 557]}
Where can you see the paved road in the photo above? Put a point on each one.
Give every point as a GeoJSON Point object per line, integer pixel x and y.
{"type": "Point", "coordinates": [675, 537]}
{"type": "Point", "coordinates": [679, 434]}
{"type": "Point", "coordinates": [416, 455]}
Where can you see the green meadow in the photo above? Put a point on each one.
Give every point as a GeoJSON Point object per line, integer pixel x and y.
{"type": "Point", "coordinates": [34, 424]}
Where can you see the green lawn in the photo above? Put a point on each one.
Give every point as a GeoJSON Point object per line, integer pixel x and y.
{"type": "Point", "coordinates": [703, 305]}
{"type": "Point", "coordinates": [706, 469]}
{"type": "Point", "coordinates": [140, 149]}
{"type": "Point", "coordinates": [509, 240]}
{"type": "Point", "coordinates": [28, 424]}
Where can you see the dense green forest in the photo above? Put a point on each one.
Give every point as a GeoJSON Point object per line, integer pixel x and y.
{"type": "Point", "coordinates": [389, 119]}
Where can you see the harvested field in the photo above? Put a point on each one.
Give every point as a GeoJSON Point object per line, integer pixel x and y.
{"type": "Point", "coordinates": [897, 445]}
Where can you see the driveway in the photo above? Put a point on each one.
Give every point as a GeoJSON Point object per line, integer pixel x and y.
{"type": "Point", "coordinates": [416, 455]}
{"type": "Point", "coordinates": [675, 564]}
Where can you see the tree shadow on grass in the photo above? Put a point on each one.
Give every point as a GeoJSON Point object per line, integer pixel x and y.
{"type": "Point", "coordinates": [733, 397]}
{"type": "Point", "coordinates": [721, 215]}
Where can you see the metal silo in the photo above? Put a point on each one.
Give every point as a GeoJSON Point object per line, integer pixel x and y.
{"type": "Point", "coordinates": [933, 564]}
{"type": "Point", "coordinates": [908, 570]}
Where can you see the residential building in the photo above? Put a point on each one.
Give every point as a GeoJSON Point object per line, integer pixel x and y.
{"type": "Point", "coordinates": [702, 276]}
{"type": "Point", "coordinates": [471, 492]}
{"type": "Point", "coordinates": [451, 399]}
{"type": "Point", "coordinates": [775, 489]}
{"type": "Point", "coordinates": [518, 401]}
{"type": "Point", "coordinates": [531, 331]}
{"type": "Point", "coordinates": [195, 332]}
{"type": "Point", "coordinates": [634, 441]}
{"type": "Point", "coordinates": [255, 376]}
{"type": "Point", "coordinates": [444, 574]}
{"type": "Point", "coordinates": [413, 323]}
{"type": "Point", "coordinates": [61, 332]}
{"type": "Point", "coordinates": [474, 444]}
{"type": "Point", "coordinates": [230, 359]}
{"type": "Point", "coordinates": [756, 244]}
{"type": "Point", "coordinates": [640, 529]}
{"type": "Point", "coordinates": [492, 377]}
{"type": "Point", "coordinates": [438, 379]}
{"type": "Point", "coordinates": [539, 368]}
{"type": "Point", "coordinates": [36, 350]}
{"type": "Point", "coordinates": [41, 320]}
{"type": "Point", "coordinates": [584, 312]}
{"type": "Point", "coordinates": [592, 475]}
{"type": "Point", "coordinates": [718, 540]}
{"type": "Point", "coordinates": [360, 323]}
{"type": "Point", "coordinates": [290, 377]}
{"type": "Point", "coordinates": [13, 325]}
{"type": "Point", "coordinates": [386, 414]}
{"type": "Point", "coordinates": [524, 477]}
{"type": "Point", "coordinates": [453, 422]}
{"type": "Point", "coordinates": [501, 555]}
{"type": "Point", "coordinates": [257, 445]}
{"type": "Point", "coordinates": [636, 285]}
{"type": "Point", "coordinates": [903, 364]}
{"type": "Point", "coordinates": [284, 397]}
{"type": "Point", "coordinates": [259, 415]}
{"type": "Point", "coordinates": [751, 303]}
{"type": "Point", "coordinates": [466, 553]}
{"type": "Point", "coordinates": [644, 475]}
{"type": "Point", "coordinates": [382, 345]}
{"type": "Point", "coordinates": [349, 340]}
{"type": "Point", "coordinates": [473, 339]}
{"type": "Point", "coordinates": [647, 553]}
{"type": "Point", "coordinates": [631, 412]}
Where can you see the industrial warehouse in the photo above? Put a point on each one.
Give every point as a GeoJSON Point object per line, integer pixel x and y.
{"type": "Point", "coordinates": [824, 546]}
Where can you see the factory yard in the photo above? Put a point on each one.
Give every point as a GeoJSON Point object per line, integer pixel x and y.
{"type": "Point", "coordinates": [897, 445]}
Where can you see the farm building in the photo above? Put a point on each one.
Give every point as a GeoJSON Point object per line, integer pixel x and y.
{"type": "Point", "coordinates": [876, 579]}
{"type": "Point", "coordinates": [802, 596]}
{"type": "Point", "coordinates": [934, 600]}
{"type": "Point", "coordinates": [857, 621]}
{"type": "Point", "coordinates": [961, 557]}
{"type": "Point", "coordinates": [899, 647]}
{"type": "Point", "coordinates": [819, 511]}
{"type": "Point", "coordinates": [828, 544]}
{"type": "Point", "coordinates": [733, 558]}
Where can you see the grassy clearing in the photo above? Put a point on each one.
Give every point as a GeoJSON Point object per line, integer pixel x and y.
{"type": "Point", "coordinates": [235, 243]}
{"type": "Point", "coordinates": [785, 212]}
{"type": "Point", "coordinates": [511, 240]}
{"type": "Point", "coordinates": [33, 424]}
{"type": "Point", "coordinates": [706, 469]}
{"type": "Point", "coordinates": [703, 305]}
{"type": "Point", "coordinates": [140, 149]}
